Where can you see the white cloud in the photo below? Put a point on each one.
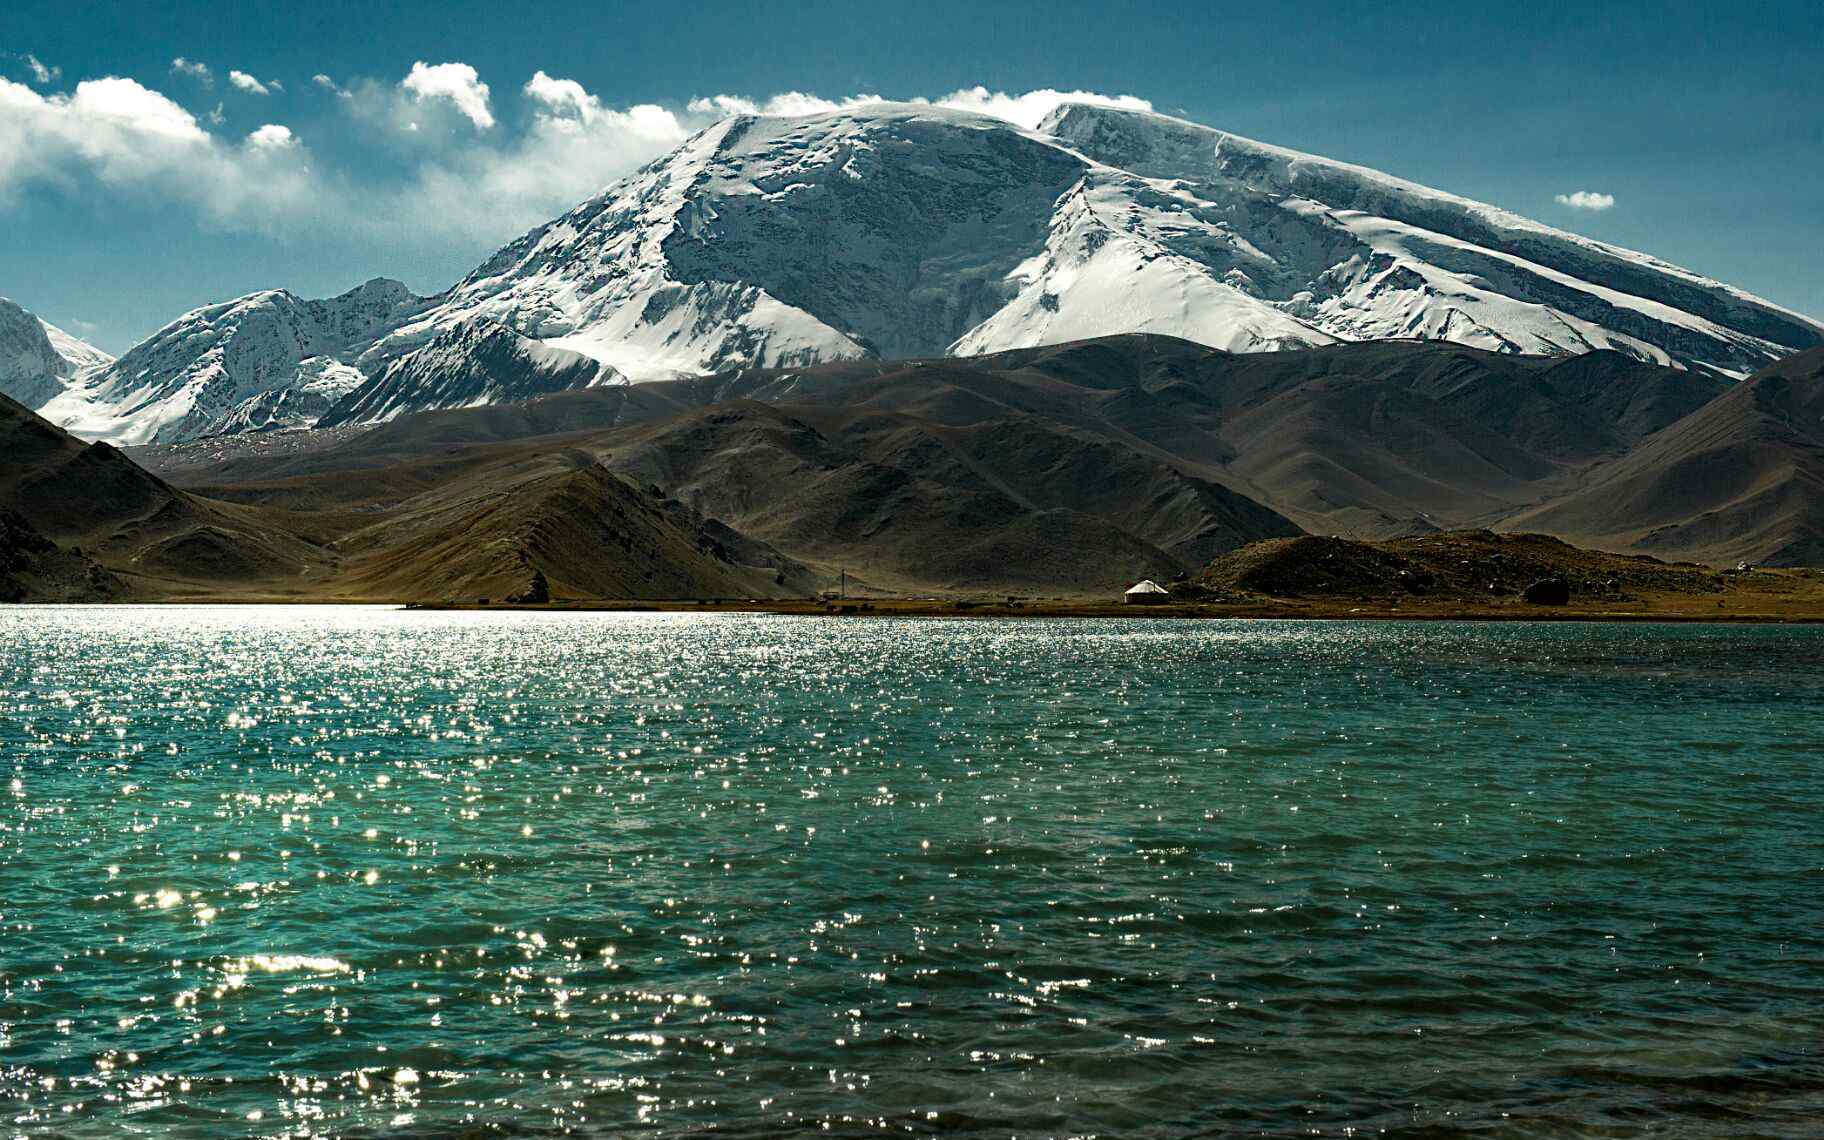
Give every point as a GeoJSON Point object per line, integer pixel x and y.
{"type": "Point", "coordinates": [723, 105]}
{"type": "Point", "coordinates": [786, 103]}
{"type": "Point", "coordinates": [433, 186]}
{"type": "Point", "coordinates": [573, 147]}
{"type": "Point", "coordinates": [1029, 110]}
{"type": "Point", "coordinates": [248, 83]}
{"type": "Point", "coordinates": [564, 97]}
{"type": "Point", "coordinates": [42, 73]}
{"type": "Point", "coordinates": [1026, 110]}
{"type": "Point", "coordinates": [272, 136]}
{"type": "Point", "coordinates": [457, 82]}
{"type": "Point", "coordinates": [129, 139]}
{"type": "Point", "coordinates": [1585, 200]}
{"type": "Point", "coordinates": [115, 106]}
{"type": "Point", "coordinates": [192, 68]}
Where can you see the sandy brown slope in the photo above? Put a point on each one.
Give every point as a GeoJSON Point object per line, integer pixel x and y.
{"type": "Point", "coordinates": [81, 522]}
{"type": "Point", "coordinates": [897, 508]}
{"type": "Point", "coordinates": [1071, 466]}
{"type": "Point", "coordinates": [482, 520]}
{"type": "Point", "coordinates": [94, 503]}
{"type": "Point", "coordinates": [1741, 478]}
{"type": "Point", "coordinates": [587, 532]}
{"type": "Point", "coordinates": [1365, 439]}
{"type": "Point", "coordinates": [940, 475]}
{"type": "Point", "coordinates": [1391, 438]}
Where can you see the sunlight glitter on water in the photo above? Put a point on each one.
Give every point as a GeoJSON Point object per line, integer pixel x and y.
{"type": "Point", "coordinates": [319, 871]}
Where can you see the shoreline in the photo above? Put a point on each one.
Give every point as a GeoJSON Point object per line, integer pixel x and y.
{"type": "Point", "coordinates": [1289, 610]}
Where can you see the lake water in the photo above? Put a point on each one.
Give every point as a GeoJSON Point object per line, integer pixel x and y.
{"type": "Point", "coordinates": [364, 872]}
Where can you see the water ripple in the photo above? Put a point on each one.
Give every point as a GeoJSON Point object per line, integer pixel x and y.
{"type": "Point", "coordinates": [341, 871]}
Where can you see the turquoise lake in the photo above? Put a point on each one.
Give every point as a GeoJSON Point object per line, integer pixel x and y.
{"type": "Point", "coordinates": [364, 872]}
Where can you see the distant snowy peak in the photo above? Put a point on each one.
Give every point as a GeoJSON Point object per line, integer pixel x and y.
{"type": "Point", "coordinates": [895, 230]}
{"type": "Point", "coordinates": [37, 359]}
{"type": "Point", "coordinates": [478, 361]}
{"type": "Point", "coordinates": [353, 320]}
{"type": "Point", "coordinates": [257, 362]}
{"type": "Point", "coordinates": [774, 242]}
{"type": "Point", "coordinates": [908, 230]}
{"type": "Point", "coordinates": [318, 384]}
{"type": "Point", "coordinates": [1430, 264]}
{"type": "Point", "coordinates": [78, 353]}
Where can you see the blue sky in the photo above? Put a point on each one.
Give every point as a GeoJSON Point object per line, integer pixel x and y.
{"type": "Point", "coordinates": [132, 188]}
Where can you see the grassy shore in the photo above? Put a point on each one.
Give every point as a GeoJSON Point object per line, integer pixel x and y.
{"type": "Point", "coordinates": [1765, 596]}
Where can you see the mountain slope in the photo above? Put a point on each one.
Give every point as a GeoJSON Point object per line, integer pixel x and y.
{"type": "Point", "coordinates": [896, 231]}
{"type": "Point", "coordinates": [261, 361]}
{"type": "Point", "coordinates": [81, 522]}
{"type": "Point", "coordinates": [38, 359]}
{"type": "Point", "coordinates": [1459, 565]}
{"type": "Point", "coordinates": [778, 242]}
{"type": "Point", "coordinates": [95, 506]}
{"type": "Point", "coordinates": [893, 231]}
{"type": "Point", "coordinates": [1740, 478]}
{"type": "Point", "coordinates": [35, 569]}
{"type": "Point", "coordinates": [1363, 255]}
{"type": "Point", "coordinates": [81, 355]}
{"type": "Point", "coordinates": [1171, 447]}
{"type": "Point", "coordinates": [478, 361]}
{"type": "Point", "coordinates": [582, 531]}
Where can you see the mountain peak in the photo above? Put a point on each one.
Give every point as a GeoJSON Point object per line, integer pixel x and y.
{"type": "Point", "coordinates": [379, 289]}
{"type": "Point", "coordinates": [38, 358]}
{"type": "Point", "coordinates": [910, 230]}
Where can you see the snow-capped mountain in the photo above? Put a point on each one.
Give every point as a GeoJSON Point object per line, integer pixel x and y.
{"type": "Point", "coordinates": [903, 230]}
{"type": "Point", "coordinates": [258, 362]}
{"type": "Point", "coordinates": [1365, 256]}
{"type": "Point", "coordinates": [478, 361]}
{"type": "Point", "coordinates": [319, 383]}
{"type": "Point", "coordinates": [899, 230]}
{"type": "Point", "coordinates": [37, 359]}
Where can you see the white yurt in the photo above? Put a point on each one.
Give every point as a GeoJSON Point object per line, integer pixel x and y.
{"type": "Point", "coordinates": [1147, 593]}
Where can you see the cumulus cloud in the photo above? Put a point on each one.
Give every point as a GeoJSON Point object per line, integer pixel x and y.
{"type": "Point", "coordinates": [562, 97]}
{"type": "Point", "coordinates": [1585, 200]}
{"type": "Point", "coordinates": [785, 103]}
{"type": "Point", "coordinates": [1027, 109]}
{"type": "Point", "coordinates": [457, 82]}
{"type": "Point", "coordinates": [272, 136]}
{"type": "Point", "coordinates": [128, 138]}
{"type": "Point", "coordinates": [464, 177]}
{"type": "Point", "coordinates": [103, 110]}
{"type": "Point", "coordinates": [42, 72]}
{"type": "Point", "coordinates": [192, 68]}
{"type": "Point", "coordinates": [249, 84]}
{"type": "Point", "coordinates": [573, 146]}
